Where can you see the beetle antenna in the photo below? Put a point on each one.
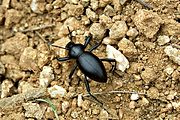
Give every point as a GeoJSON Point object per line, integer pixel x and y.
{"type": "Point", "coordinates": [70, 35]}
{"type": "Point", "coordinates": [49, 43]}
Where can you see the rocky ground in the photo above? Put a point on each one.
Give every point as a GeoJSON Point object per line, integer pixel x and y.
{"type": "Point", "coordinates": [146, 84]}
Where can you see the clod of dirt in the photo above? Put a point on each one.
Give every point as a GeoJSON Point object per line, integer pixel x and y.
{"type": "Point", "coordinates": [28, 59]}
{"type": "Point", "coordinates": [91, 14]}
{"type": "Point", "coordinates": [57, 91]}
{"type": "Point", "coordinates": [162, 40]}
{"type": "Point", "coordinates": [97, 30]}
{"type": "Point", "coordinates": [122, 62]}
{"type": "Point", "coordinates": [6, 88]}
{"type": "Point", "coordinates": [74, 10]}
{"type": "Point", "coordinates": [33, 110]}
{"type": "Point", "coordinates": [109, 10]}
{"type": "Point", "coordinates": [16, 44]}
{"type": "Point", "coordinates": [12, 68]}
{"type": "Point", "coordinates": [106, 21]}
{"type": "Point", "coordinates": [148, 75]}
{"type": "Point", "coordinates": [153, 93]}
{"type": "Point", "coordinates": [127, 47]}
{"type": "Point", "coordinates": [49, 114]}
{"type": "Point", "coordinates": [24, 87]}
{"type": "Point", "coordinates": [173, 53]}
{"type": "Point", "coordinates": [147, 22]}
{"type": "Point", "coordinates": [46, 76]}
{"type": "Point", "coordinates": [171, 27]}
{"type": "Point", "coordinates": [6, 3]}
{"type": "Point", "coordinates": [118, 30]}
{"type": "Point", "coordinates": [135, 68]}
{"type": "Point", "coordinates": [12, 17]}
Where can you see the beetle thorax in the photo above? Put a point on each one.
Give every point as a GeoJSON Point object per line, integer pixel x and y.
{"type": "Point", "coordinates": [76, 50]}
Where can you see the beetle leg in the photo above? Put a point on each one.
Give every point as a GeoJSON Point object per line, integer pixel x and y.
{"type": "Point", "coordinates": [89, 91]}
{"type": "Point", "coordinates": [72, 71]}
{"type": "Point", "coordinates": [63, 59]}
{"type": "Point", "coordinates": [87, 40]}
{"type": "Point", "coordinates": [110, 60]}
{"type": "Point", "coordinates": [95, 46]}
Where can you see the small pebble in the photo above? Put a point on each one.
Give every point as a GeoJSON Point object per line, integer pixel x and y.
{"type": "Point", "coordinates": [91, 14]}
{"type": "Point", "coordinates": [95, 111]}
{"type": "Point", "coordinates": [65, 106]}
{"type": "Point", "coordinates": [56, 91]}
{"type": "Point", "coordinates": [169, 70]}
{"type": "Point", "coordinates": [144, 101]}
{"type": "Point", "coordinates": [132, 32]}
{"type": "Point", "coordinates": [148, 75]}
{"type": "Point", "coordinates": [103, 114]}
{"type": "Point", "coordinates": [122, 62]}
{"type": "Point", "coordinates": [85, 104]}
{"type": "Point", "coordinates": [46, 76]}
{"type": "Point", "coordinates": [132, 104]}
{"type": "Point", "coordinates": [162, 40]}
{"type": "Point", "coordinates": [79, 100]}
{"type": "Point", "coordinates": [74, 114]}
{"type": "Point", "coordinates": [134, 96]}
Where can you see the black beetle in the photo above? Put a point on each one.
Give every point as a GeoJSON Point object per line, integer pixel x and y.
{"type": "Point", "coordinates": [90, 65]}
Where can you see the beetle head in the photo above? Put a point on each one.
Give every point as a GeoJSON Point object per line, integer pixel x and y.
{"type": "Point", "coordinates": [69, 45]}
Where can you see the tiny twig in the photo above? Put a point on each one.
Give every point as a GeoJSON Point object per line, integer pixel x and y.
{"type": "Point", "coordinates": [41, 36]}
{"type": "Point", "coordinates": [115, 92]}
{"type": "Point", "coordinates": [145, 4]}
{"type": "Point", "coordinates": [37, 28]}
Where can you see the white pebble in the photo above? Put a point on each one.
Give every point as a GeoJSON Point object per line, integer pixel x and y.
{"type": "Point", "coordinates": [134, 96]}
{"type": "Point", "coordinates": [6, 87]}
{"type": "Point", "coordinates": [122, 62]}
{"type": "Point", "coordinates": [46, 76]}
{"type": "Point", "coordinates": [56, 91]}
{"type": "Point", "coordinates": [79, 100]}
{"type": "Point", "coordinates": [163, 40]}
{"type": "Point", "coordinates": [173, 53]}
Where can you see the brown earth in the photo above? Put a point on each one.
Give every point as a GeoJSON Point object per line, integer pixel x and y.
{"type": "Point", "coordinates": [147, 34]}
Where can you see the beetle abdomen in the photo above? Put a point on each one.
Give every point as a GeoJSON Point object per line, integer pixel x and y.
{"type": "Point", "coordinates": [92, 67]}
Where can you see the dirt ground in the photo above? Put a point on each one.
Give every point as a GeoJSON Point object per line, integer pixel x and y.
{"type": "Point", "coordinates": [146, 32]}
